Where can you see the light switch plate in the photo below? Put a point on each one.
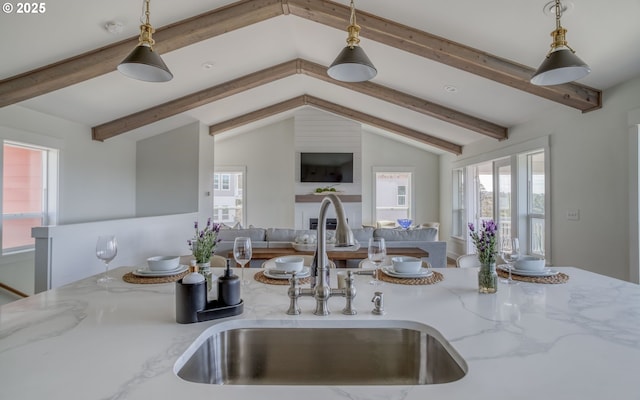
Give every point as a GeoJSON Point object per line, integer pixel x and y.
{"type": "Point", "coordinates": [573, 215]}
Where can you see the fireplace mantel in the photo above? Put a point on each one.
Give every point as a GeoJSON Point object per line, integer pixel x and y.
{"type": "Point", "coordinates": [316, 198]}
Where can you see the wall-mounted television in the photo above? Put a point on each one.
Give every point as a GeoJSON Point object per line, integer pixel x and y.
{"type": "Point", "coordinates": [326, 167]}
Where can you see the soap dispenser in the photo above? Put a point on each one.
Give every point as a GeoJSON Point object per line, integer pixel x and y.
{"type": "Point", "coordinates": [229, 288]}
{"type": "Point", "coordinates": [193, 277]}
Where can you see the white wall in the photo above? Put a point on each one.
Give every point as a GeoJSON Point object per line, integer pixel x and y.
{"type": "Point", "coordinates": [269, 155]}
{"type": "Point", "coordinates": [380, 151]}
{"type": "Point", "coordinates": [97, 186]}
{"type": "Point", "coordinates": [97, 179]}
{"type": "Point", "coordinates": [167, 168]}
{"type": "Point", "coordinates": [589, 171]}
{"type": "Point", "coordinates": [66, 253]}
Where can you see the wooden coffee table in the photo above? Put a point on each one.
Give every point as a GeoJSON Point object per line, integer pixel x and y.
{"type": "Point", "coordinates": [337, 256]}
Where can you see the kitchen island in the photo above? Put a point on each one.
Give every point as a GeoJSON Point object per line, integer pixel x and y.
{"type": "Point", "coordinates": [577, 340]}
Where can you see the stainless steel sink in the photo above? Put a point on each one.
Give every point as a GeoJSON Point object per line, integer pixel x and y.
{"type": "Point", "coordinates": [353, 353]}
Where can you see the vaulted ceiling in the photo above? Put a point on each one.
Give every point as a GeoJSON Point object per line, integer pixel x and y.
{"type": "Point", "coordinates": [237, 65]}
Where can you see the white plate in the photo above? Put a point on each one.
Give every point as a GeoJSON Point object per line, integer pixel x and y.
{"type": "Point", "coordinates": [545, 272]}
{"type": "Point", "coordinates": [147, 272]}
{"type": "Point", "coordinates": [276, 274]}
{"type": "Point", "coordinates": [422, 274]}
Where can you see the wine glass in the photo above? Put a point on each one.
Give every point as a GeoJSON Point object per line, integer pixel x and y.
{"type": "Point", "coordinates": [106, 250]}
{"type": "Point", "coordinates": [242, 254]}
{"type": "Point", "coordinates": [377, 252]}
{"type": "Point", "coordinates": [510, 251]}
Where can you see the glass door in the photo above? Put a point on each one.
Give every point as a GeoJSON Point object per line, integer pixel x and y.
{"type": "Point", "coordinates": [504, 198]}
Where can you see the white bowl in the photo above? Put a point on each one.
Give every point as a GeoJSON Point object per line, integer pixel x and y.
{"type": "Point", "coordinates": [289, 263]}
{"type": "Point", "coordinates": [406, 264]}
{"type": "Point", "coordinates": [163, 263]}
{"type": "Point", "coordinates": [530, 263]}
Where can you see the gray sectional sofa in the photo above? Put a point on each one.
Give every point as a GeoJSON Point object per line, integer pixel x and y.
{"type": "Point", "coordinates": [424, 238]}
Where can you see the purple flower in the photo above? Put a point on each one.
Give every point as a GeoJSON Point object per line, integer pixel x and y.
{"type": "Point", "coordinates": [204, 242]}
{"type": "Point", "coordinates": [485, 240]}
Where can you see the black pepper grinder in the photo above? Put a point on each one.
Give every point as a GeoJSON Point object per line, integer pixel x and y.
{"type": "Point", "coordinates": [229, 288]}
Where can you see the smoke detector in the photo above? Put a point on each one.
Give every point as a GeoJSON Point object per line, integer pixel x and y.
{"type": "Point", "coordinates": [114, 27]}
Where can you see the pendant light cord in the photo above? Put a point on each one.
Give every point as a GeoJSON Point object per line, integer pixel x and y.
{"type": "Point", "coordinates": [559, 35]}
{"type": "Point", "coordinates": [352, 19]}
{"type": "Point", "coordinates": [146, 29]}
{"type": "Point", "coordinates": [354, 30]}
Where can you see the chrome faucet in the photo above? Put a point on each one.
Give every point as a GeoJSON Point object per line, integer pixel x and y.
{"type": "Point", "coordinates": [321, 289]}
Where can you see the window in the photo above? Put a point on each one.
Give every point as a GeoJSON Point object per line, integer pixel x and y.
{"type": "Point", "coordinates": [504, 199]}
{"type": "Point", "coordinates": [226, 182]}
{"type": "Point", "coordinates": [221, 182]}
{"type": "Point", "coordinates": [509, 186]}
{"type": "Point", "coordinates": [228, 195]}
{"type": "Point", "coordinates": [28, 193]}
{"type": "Point", "coordinates": [458, 217]}
{"type": "Point", "coordinates": [392, 195]}
{"type": "Point", "coordinates": [484, 191]}
{"type": "Point", "coordinates": [536, 200]}
{"type": "Point", "coordinates": [402, 195]}
{"type": "Point", "coordinates": [216, 181]}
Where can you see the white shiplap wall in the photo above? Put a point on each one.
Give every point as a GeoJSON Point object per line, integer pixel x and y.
{"type": "Point", "coordinates": [319, 131]}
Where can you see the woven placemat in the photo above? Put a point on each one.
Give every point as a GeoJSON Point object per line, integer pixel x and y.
{"type": "Point", "coordinates": [428, 280]}
{"type": "Point", "coordinates": [131, 278]}
{"type": "Point", "coordinates": [260, 277]}
{"type": "Point", "coordinates": [557, 278]}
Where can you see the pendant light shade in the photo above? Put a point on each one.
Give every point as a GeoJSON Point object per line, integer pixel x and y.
{"type": "Point", "coordinates": [143, 63]}
{"type": "Point", "coordinates": [352, 64]}
{"type": "Point", "coordinates": [561, 65]}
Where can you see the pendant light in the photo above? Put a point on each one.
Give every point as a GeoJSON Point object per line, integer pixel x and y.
{"type": "Point", "coordinates": [352, 64]}
{"type": "Point", "coordinates": [144, 63]}
{"type": "Point", "coordinates": [561, 65]}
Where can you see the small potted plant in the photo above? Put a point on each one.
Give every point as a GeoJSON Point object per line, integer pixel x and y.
{"type": "Point", "coordinates": [486, 248]}
{"type": "Point", "coordinates": [202, 246]}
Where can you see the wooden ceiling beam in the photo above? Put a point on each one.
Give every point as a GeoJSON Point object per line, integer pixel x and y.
{"type": "Point", "coordinates": [297, 66]}
{"type": "Point", "coordinates": [105, 59]}
{"type": "Point", "coordinates": [410, 102]}
{"type": "Point", "coordinates": [338, 110]}
{"type": "Point", "coordinates": [247, 12]}
{"type": "Point", "coordinates": [193, 100]}
{"type": "Point", "coordinates": [445, 51]}
{"type": "Point", "coordinates": [256, 115]}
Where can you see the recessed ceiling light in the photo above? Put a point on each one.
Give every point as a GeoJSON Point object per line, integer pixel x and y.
{"type": "Point", "coordinates": [550, 8]}
{"type": "Point", "coordinates": [450, 89]}
{"type": "Point", "coordinates": [114, 27]}
{"type": "Point", "coordinates": [207, 65]}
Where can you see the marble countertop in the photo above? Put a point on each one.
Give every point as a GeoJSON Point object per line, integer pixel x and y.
{"type": "Point", "coordinates": [578, 340]}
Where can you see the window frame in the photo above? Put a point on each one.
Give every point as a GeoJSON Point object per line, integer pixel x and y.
{"type": "Point", "coordinates": [517, 153]}
{"type": "Point", "coordinates": [230, 170]}
{"type": "Point", "coordinates": [396, 169]}
{"type": "Point", "coordinates": [49, 192]}
{"type": "Point", "coordinates": [401, 198]}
